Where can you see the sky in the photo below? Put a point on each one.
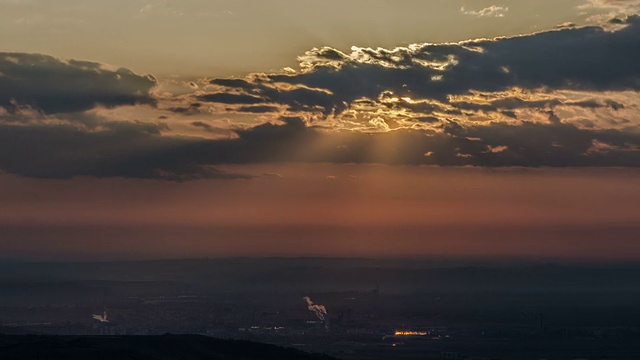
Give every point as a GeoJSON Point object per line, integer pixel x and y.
{"type": "Point", "coordinates": [172, 129]}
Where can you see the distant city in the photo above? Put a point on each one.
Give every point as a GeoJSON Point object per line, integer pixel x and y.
{"type": "Point", "coordinates": [481, 311]}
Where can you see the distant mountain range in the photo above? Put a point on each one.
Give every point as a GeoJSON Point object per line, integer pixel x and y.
{"type": "Point", "coordinates": [304, 275]}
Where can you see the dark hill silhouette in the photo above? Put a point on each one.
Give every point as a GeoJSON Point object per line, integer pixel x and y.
{"type": "Point", "coordinates": [166, 347]}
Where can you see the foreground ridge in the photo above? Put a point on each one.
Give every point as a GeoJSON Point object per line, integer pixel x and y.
{"type": "Point", "coordinates": [165, 347]}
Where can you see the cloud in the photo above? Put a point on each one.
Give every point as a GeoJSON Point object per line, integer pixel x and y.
{"type": "Point", "coordinates": [426, 81]}
{"type": "Point", "coordinates": [136, 151]}
{"type": "Point", "coordinates": [491, 11]}
{"type": "Point", "coordinates": [229, 98]}
{"type": "Point", "coordinates": [258, 109]}
{"type": "Point", "coordinates": [53, 85]}
{"type": "Point", "coordinates": [132, 150]}
{"type": "Point", "coordinates": [55, 122]}
{"type": "Point", "coordinates": [619, 7]}
{"type": "Point", "coordinates": [566, 97]}
{"type": "Point", "coordinates": [203, 125]}
{"type": "Point", "coordinates": [586, 58]}
{"type": "Point", "coordinates": [261, 90]}
{"type": "Point", "coordinates": [495, 145]}
{"type": "Point", "coordinates": [165, 8]}
{"type": "Point", "coordinates": [212, 129]}
{"type": "Point", "coordinates": [193, 108]}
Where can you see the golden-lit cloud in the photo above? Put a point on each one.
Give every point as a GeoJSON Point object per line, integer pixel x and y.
{"type": "Point", "coordinates": [491, 11]}
{"type": "Point", "coordinates": [563, 97]}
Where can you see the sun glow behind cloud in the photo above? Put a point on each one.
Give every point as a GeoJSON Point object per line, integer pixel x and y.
{"type": "Point", "coordinates": [456, 102]}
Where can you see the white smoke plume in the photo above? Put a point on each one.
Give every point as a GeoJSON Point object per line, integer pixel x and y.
{"type": "Point", "coordinates": [102, 318]}
{"type": "Point", "coordinates": [319, 310]}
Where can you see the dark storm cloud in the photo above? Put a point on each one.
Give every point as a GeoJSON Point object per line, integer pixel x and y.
{"type": "Point", "coordinates": [187, 109]}
{"type": "Point", "coordinates": [227, 98]}
{"type": "Point", "coordinates": [47, 131]}
{"type": "Point", "coordinates": [495, 145]}
{"type": "Point", "coordinates": [53, 85]}
{"type": "Point", "coordinates": [124, 149]}
{"type": "Point", "coordinates": [258, 109]}
{"type": "Point", "coordinates": [88, 121]}
{"type": "Point", "coordinates": [531, 144]}
{"type": "Point", "coordinates": [513, 103]}
{"type": "Point", "coordinates": [212, 129]}
{"type": "Point", "coordinates": [527, 144]}
{"type": "Point", "coordinates": [135, 127]}
{"type": "Point", "coordinates": [260, 90]}
{"type": "Point", "coordinates": [236, 83]}
{"type": "Point", "coordinates": [193, 108]}
{"type": "Point", "coordinates": [202, 124]}
{"type": "Point", "coordinates": [438, 87]}
{"type": "Point", "coordinates": [585, 59]}
{"type": "Point", "coordinates": [133, 151]}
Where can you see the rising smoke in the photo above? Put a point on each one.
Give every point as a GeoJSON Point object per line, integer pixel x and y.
{"type": "Point", "coordinates": [101, 318]}
{"type": "Point", "coordinates": [319, 310]}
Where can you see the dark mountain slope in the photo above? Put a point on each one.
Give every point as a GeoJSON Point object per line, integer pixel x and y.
{"type": "Point", "coordinates": [167, 347]}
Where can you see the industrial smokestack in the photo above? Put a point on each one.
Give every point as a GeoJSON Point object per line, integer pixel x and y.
{"type": "Point", "coordinates": [319, 310]}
